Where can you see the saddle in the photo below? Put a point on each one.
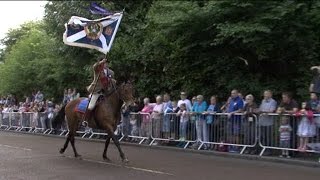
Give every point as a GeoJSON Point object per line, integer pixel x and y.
{"type": "Point", "coordinates": [82, 106]}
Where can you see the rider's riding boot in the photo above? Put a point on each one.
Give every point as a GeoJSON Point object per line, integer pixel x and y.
{"type": "Point", "coordinates": [87, 117]}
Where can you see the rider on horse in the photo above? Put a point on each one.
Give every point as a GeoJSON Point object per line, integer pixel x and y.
{"type": "Point", "coordinates": [103, 76]}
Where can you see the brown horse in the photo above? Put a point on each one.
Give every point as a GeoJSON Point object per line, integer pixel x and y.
{"type": "Point", "coordinates": [106, 116]}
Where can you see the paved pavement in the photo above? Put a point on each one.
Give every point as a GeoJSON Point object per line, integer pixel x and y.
{"type": "Point", "coordinates": [24, 156]}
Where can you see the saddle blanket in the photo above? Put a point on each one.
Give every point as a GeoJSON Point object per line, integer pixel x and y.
{"type": "Point", "coordinates": [82, 106]}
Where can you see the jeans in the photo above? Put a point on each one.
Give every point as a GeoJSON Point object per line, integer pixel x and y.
{"type": "Point", "coordinates": [183, 129]}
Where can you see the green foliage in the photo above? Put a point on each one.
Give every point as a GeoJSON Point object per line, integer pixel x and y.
{"type": "Point", "coordinates": [202, 47]}
{"type": "Point", "coordinates": [33, 64]}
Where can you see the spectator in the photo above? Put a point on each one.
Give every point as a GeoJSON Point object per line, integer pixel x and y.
{"type": "Point", "coordinates": [65, 97]}
{"type": "Point", "coordinates": [146, 123]}
{"type": "Point", "coordinates": [234, 121]}
{"type": "Point", "coordinates": [225, 107]}
{"type": "Point", "coordinates": [213, 108]}
{"type": "Point", "coordinates": [307, 127]}
{"type": "Point", "coordinates": [249, 125]}
{"type": "Point", "coordinates": [75, 94]}
{"type": "Point", "coordinates": [69, 95]}
{"type": "Point", "coordinates": [198, 108]}
{"type": "Point", "coordinates": [314, 102]}
{"type": "Point", "coordinates": [156, 116]}
{"type": "Point", "coordinates": [42, 114]}
{"type": "Point", "coordinates": [183, 96]}
{"type": "Point", "coordinates": [182, 113]}
{"type": "Point", "coordinates": [167, 108]}
{"type": "Point", "coordinates": [175, 107]}
{"type": "Point", "coordinates": [50, 112]}
{"type": "Point", "coordinates": [268, 105]}
{"type": "Point", "coordinates": [287, 105]}
{"type": "Point", "coordinates": [35, 118]}
{"type": "Point", "coordinates": [193, 100]}
{"type": "Point", "coordinates": [33, 95]}
{"type": "Point", "coordinates": [5, 114]}
{"type": "Point", "coordinates": [39, 97]}
{"type": "Point", "coordinates": [125, 121]}
{"type": "Point", "coordinates": [290, 106]}
{"type": "Point", "coordinates": [315, 83]}
{"type": "Point", "coordinates": [243, 99]}
{"type": "Point", "coordinates": [285, 135]}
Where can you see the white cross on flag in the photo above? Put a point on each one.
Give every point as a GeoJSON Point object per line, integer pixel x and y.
{"type": "Point", "coordinates": [94, 34]}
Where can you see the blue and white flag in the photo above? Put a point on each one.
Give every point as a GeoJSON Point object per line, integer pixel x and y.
{"type": "Point", "coordinates": [94, 34]}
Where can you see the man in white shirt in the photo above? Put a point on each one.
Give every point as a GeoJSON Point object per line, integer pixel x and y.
{"type": "Point", "coordinates": [266, 122]}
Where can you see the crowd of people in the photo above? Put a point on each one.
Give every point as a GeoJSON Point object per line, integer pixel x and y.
{"type": "Point", "coordinates": [43, 109]}
{"type": "Point", "coordinates": [295, 130]}
{"type": "Point", "coordinates": [156, 118]}
{"type": "Point", "coordinates": [198, 110]}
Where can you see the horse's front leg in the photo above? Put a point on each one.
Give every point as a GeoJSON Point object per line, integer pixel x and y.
{"type": "Point", "coordinates": [116, 142]}
{"type": "Point", "coordinates": [104, 155]}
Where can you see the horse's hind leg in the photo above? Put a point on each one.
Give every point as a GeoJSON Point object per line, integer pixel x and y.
{"type": "Point", "coordinates": [116, 142]}
{"type": "Point", "coordinates": [104, 155]}
{"type": "Point", "coordinates": [72, 139]}
{"type": "Point", "coordinates": [65, 145]}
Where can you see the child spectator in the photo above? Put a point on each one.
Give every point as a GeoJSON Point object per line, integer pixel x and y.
{"type": "Point", "coordinates": [307, 127]}
{"type": "Point", "coordinates": [285, 135]}
{"type": "Point", "coordinates": [134, 126]}
{"type": "Point", "coordinates": [175, 107]}
{"type": "Point", "coordinates": [183, 123]}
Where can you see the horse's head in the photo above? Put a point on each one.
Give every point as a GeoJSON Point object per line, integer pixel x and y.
{"type": "Point", "coordinates": [126, 93]}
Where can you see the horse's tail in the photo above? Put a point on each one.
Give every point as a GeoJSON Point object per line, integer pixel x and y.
{"type": "Point", "coordinates": [59, 118]}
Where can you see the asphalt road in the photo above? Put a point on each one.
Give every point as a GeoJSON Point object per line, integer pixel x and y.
{"type": "Point", "coordinates": [24, 156]}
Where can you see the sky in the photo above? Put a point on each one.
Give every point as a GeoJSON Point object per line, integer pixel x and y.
{"type": "Point", "coordinates": [15, 13]}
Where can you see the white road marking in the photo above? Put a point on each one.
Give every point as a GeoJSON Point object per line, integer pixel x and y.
{"type": "Point", "coordinates": [14, 147]}
{"type": "Point", "coordinates": [128, 167]}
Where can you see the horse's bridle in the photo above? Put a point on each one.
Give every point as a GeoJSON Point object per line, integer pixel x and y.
{"type": "Point", "coordinates": [114, 89]}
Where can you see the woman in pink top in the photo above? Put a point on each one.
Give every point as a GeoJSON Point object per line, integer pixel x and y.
{"type": "Point", "coordinates": [145, 114]}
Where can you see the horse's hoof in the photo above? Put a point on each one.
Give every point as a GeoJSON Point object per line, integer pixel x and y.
{"type": "Point", "coordinates": [78, 156]}
{"type": "Point", "coordinates": [61, 151]}
{"type": "Point", "coordinates": [125, 160]}
{"type": "Point", "coordinates": [106, 159]}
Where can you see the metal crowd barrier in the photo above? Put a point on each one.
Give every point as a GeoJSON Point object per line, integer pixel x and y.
{"type": "Point", "coordinates": [283, 132]}
{"type": "Point", "coordinates": [34, 122]}
{"type": "Point", "coordinates": [167, 127]}
{"type": "Point", "coordinates": [238, 132]}
{"type": "Point", "coordinates": [200, 130]}
{"type": "Point", "coordinates": [140, 128]}
{"type": "Point", "coordinates": [4, 120]}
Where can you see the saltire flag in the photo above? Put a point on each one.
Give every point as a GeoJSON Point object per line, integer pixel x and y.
{"type": "Point", "coordinates": [94, 34]}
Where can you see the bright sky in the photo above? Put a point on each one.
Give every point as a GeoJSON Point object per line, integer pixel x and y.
{"type": "Point", "coordinates": [15, 13]}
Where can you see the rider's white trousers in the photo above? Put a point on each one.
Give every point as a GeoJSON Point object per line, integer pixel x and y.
{"type": "Point", "coordinates": [94, 98]}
